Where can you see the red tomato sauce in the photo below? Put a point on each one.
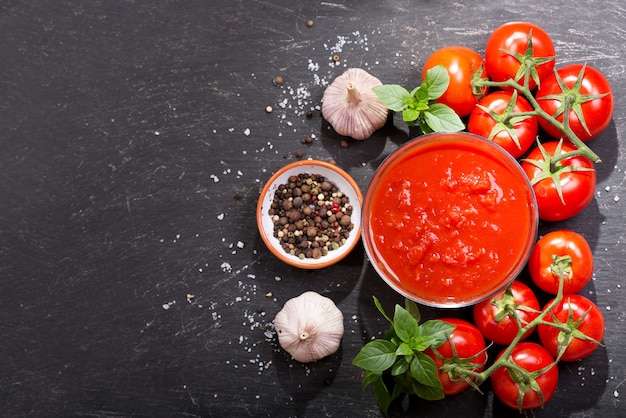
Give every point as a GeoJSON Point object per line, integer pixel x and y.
{"type": "Point", "coordinates": [450, 222]}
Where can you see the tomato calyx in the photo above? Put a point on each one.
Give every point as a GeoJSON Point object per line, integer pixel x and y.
{"type": "Point", "coordinates": [572, 99]}
{"type": "Point", "coordinates": [528, 63]}
{"type": "Point", "coordinates": [526, 381]}
{"type": "Point", "coordinates": [507, 120]}
{"type": "Point", "coordinates": [562, 266]}
{"type": "Point", "coordinates": [569, 330]}
{"type": "Point", "coordinates": [460, 369]}
{"type": "Point", "coordinates": [479, 89]}
{"type": "Point", "coordinates": [551, 166]}
{"type": "Point", "coordinates": [507, 307]}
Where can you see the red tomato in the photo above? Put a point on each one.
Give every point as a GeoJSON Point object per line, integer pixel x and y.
{"type": "Point", "coordinates": [592, 107]}
{"type": "Point", "coordinates": [462, 64]}
{"type": "Point", "coordinates": [494, 316]}
{"type": "Point", "coordinates": [585, 322]}
{"type": "Point", "coordinates": [492, 119]}
{"type": "Point", "coordinates": [561, 251]}
{"type": "Point", "coordinates": [470, 349]}
{"type": "Point", "coordinates": [507, 48]}
{"type": "Point", "coordinates": [510, 387]}
{"type": "Point", "coordinates": [560, 193]}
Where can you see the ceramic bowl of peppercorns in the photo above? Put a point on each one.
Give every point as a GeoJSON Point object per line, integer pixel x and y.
{"type": "Point", "coordinates": [309, 214]}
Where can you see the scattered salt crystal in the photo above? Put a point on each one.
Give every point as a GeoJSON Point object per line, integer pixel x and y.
{"type": "Point", "coordinates": [616, 199]}
{"type": "Point", "coordinates": [246, 132]}
{"type": "Point", "coordinates": [277, 278]}
{"type": "Point", "coordinates": [168, 305]}
{"type": "Point", "coordinates": [220, 217]}
{"type": "Point", "coordinates": [607, 188]}
{"type": "Point", "coordinates": [616, 394]}
{"type": "Point", "coordinates": [215, 178]}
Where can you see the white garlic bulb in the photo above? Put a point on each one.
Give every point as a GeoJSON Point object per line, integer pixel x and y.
{"type": "Point", "coordinates": [351, 107]}
{"type": "Point", "coordinates": [309, 327]}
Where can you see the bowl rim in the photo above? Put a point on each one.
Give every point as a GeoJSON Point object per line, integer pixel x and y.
{"type": "Point", "coordinates": [266, 197]}
{"type": "Point", "coordinates": [397, 154]}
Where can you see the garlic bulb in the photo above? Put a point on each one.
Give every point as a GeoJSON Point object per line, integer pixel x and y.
{"type": "Point", "coordinates": [351, 107]}
{"type": "Point", "coordinates": [309, 327]}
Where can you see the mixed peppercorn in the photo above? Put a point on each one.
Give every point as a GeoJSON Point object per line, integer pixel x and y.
{"type": "Point", "coordinates": [311, 216]}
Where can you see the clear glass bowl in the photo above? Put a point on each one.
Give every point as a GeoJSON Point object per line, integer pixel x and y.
{"type": "Point", "coordinates": [449, 219]}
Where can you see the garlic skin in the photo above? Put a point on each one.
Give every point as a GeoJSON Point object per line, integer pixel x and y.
{"type": "Point", "coordinates": [351, 107]}
{"type": "Point", "coordinates": [309, 327]}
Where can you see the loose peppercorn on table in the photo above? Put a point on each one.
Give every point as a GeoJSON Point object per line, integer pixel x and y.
{"type": "Point", "coordinates": [136, 137]}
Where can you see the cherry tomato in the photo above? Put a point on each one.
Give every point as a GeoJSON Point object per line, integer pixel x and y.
{"type": "Point", "coordinates": [508, 47]}
{"type": "Point", "coordinates": [510, 387]}
{"type": "Point", "coordinates": [560, 193]}
{"type": "Point", "coordinates": [462, 64]}
{"type": "Point", "coordinates": [494, 316]}
{"type": "Point", "coordinates": [591, 95]}
{"type": "Point", "coordinates": [470, 349]}
{"type": "Point", "coordinates": [493, 119]}
{"type": "Point", "coordinates": [585, 322]}
{"type": "Point", "coordinates": [561, 252]}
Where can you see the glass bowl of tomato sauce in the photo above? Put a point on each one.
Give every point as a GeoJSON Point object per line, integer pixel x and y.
{"type": "Point", "coordinates": [449, 219]}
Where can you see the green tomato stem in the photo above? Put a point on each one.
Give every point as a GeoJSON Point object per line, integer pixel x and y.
{"type": "Point", "coordinates": [539, 320]}
{"type": "Point", "coordinates": [564, 127]}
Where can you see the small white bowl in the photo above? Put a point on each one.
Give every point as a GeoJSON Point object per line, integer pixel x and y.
{"type": "Point", "coordinates": [330, 172]}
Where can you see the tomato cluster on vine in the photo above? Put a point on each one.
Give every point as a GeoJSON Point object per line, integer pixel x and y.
{"type": "Point", "coordinates": [569, 327]}
{"type": "Point", "coordinates": [514, 96]}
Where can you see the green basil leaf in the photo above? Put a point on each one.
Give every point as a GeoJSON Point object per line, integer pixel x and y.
{"type": "Point", "coordinates": [420, 98]}
{"type": "Point", "coordinates": [439, 330]}
{"type": "Point", "coordinates": [422, 342]}
{"type": "Point", "coordinates": [393, 96]}
{"type": "Point", "coordinates": [381, 394]}
{"type": "Point", "coordinates": [412, 308]}
{"type": "Point", "coordinates": [380, 308]}
{"type": "Point", "coordinates": [376, 356]}
{"type": "Point", "coordinates": [404, 349]}
{"type": "Point", "coordinates": [400, 366]}
{"type": "Point", "coordinates": [440, 118]}
{"type": "Point", "coordinates": [424, 370]}
{"type": "Point", "coordinates": [430, 393]}
{"type": "Point", "coordinates": [370, 377]}
{"type": "Point", "coordinates": [436, 81]}
{"type": "Point", "coordinates": [404, 324]}
{"type": "Point", "coordinates": [410, 115]}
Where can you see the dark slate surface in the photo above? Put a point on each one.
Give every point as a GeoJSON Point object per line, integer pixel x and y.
{"type": "Point", "coordinates": [134, 144]}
